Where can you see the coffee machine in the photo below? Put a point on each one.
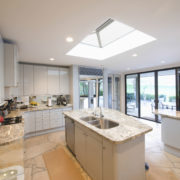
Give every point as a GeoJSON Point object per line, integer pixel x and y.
{"type": "Point", "coordinates": [61, 100]}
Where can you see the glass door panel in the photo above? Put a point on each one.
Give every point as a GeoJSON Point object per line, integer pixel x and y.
{"type": "Point", "coordinates": [132, 95]}
{"type": "Point", "coordinates": [100, 93]}
{"type": "Point", "coordinates": [147, 95]}
{"type": "Point", "coordinates": [84, 94]}
{"type": "Point", "coordinates": [178, 89]}
{"type": "Point", "coordinates": [167, 89]}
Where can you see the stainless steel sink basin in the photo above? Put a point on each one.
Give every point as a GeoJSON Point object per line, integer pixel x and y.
{"type": "Point", "coordinates": [100, 123]}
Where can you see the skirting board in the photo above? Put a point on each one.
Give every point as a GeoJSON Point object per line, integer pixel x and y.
{"type": "Point", "coordinates": [172, 150]}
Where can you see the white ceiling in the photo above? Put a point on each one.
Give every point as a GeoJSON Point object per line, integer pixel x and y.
{"type": "Point", "coordinates": [39, 27]}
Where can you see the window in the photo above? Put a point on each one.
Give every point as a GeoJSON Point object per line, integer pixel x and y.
{"type": "Point", "coordinates": [159, 89]}
{"type": "Point", "coordinates": [110, 39]}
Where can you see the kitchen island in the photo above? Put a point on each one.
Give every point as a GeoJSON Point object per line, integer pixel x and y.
{"type": "Point", "coordinates": [113, 149]}
{"type": "Point", "coordinates": [170, 130]}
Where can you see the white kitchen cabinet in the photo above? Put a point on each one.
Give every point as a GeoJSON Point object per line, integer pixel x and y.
{"type": "Point", "coordinates": [39, 120]}
{"type": "Point", "coordinates": [10, 65]}
{"type": "Point", "coordinates": [40, 80]}
{"type": "Point", "coordinates": [53, 80]}
{"type": "Point", "coordinates": [21, 79]}
{"type": "Point", "coordinates": [107, 160]}
{"type": "Point", "coordinates": [56, 118]}
{"type": "Point", "coordinates": [46, 123]}
{"type": "Point", "coordinates": [64, 81]}
{"type": "Point", "coordinates": [28, 80]}
{"type": "Point", "coordinates": [29, 122]}
{"type": "Point", "coordinates": [94, 156]}
{"type": "Point", "coordinates": [88, 150]}
{"type": "Point", "coordinates": [80, 146]}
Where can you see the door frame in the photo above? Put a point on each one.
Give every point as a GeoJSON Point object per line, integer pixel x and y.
{"type": "Point", "coordinates": [156, 90]}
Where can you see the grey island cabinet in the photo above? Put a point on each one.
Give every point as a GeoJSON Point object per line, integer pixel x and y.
{"type": "Point", "coordinates": [106, 152]}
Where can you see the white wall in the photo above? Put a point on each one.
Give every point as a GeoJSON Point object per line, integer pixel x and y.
{"type": "Point", "coordinates": [1, 69]}
{"type": "Point", "coordinates": [122, 93]}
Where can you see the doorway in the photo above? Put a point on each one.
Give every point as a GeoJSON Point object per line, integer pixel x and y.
{"type": "Point", "coordinates": [91, 91]}
{"type": "Point", "coordinates": [114, 92]}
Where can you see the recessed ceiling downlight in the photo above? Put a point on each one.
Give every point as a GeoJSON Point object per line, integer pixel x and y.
{"type": "Point", "coordinates": [51, 59]}
{"type": "Point", "coordinates": [134, 55]}
{"type": "Point", "coordinates": [110, 39]}
{"type": "Point", "coordinates": [69, 39]}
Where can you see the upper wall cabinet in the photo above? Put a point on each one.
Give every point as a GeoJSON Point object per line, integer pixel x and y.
{"type": "Point", "coordinates": [40, 80]}
{"type": "Point", "coordinates": [21, 79]}
{"type": "Point", "coordinates": [53, 81]}
{"type": "Point", "coordinates": [10, 65]}
{"type": "Point", "coordinates": [64, 81]}
{"type": "Point", "coordinates": [28, 80]}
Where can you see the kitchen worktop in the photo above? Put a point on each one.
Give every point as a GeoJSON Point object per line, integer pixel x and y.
{"type": "Point", "coordinates": [168, 113]}
{"type": "Point", "coordinates": [15, 132]}
{"type": "Point", "coordinates": [19, 112]}
{"type": "Point", "coordinates": [129, 127]}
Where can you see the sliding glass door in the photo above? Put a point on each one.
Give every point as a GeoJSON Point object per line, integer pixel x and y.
{"type": "Point", "coordinates": [148, 91]}
{"type": "Point", "coordinates": [178, 89]}
{"type": "Point", "coordinates": [132, 103]}
{"type": "Point", "coordinates": [167, 89]}
{"type": "Point", "coordinates": [147, 95]}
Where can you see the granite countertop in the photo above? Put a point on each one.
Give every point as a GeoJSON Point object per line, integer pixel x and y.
{"type": "Point", "coordinates": [129, 127]}
{"type": "Point", "coordinates": [168, 113]}
{"type": "Point", "coordinates": [11, 133]}
{"type": "Point", "coordinates": [19, 112]}
{"type": "Point", "coordinates": [15, 132]}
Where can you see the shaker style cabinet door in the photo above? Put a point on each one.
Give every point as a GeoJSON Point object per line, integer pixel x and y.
{"type": "Point", "coordinates": [107, 160]}
{"type": "Point", "coordinates": [80, 146]}
{"type": "Point", "coordinates": [28, 80]}
{"type": "Point", "coordinates": [40, 80]}
{"type": "Point", "coordinates": [53, 81]}
{"type": "Point", "coordinates": [39, 120]}
{"type": "Point", "coordinates": [64, 81]}
{"type": "Point", "coordinates": [21, 75]}
{"type": "Point", "coordinates": [29, 122]}
{"type": "Point", "coordinates": [94, 157]}
{"type": "Point", "coordinates": [46, 123]}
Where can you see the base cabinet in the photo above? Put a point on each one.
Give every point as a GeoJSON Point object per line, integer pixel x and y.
{"type": "Point", "coordinates": [41, 122]}
{"type": "Point", "coordinates": [80, 146]}
{"type": "Point", "coordinates": [94, 157]}
{"type": "Point", "coordinates": [29, 123]}
{"type": "Point", "coordinates": [88, 150]}
{"type": "Point", "coordinates": [105, 160]}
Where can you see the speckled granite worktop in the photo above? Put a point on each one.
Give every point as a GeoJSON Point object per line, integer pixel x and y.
{"type": "Point", "coordinates": [168, 113]}
{"type": "Point", "coordinates": [129, 127]}
{"type": "Point", "coordinates": [13, 132]}
{"type": "Point", "coordinates": [19, 112]}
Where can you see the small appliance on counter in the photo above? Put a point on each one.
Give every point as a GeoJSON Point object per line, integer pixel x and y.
{"type": "Point", "coordinates": [61, 100]}
{"type": "Point", "coordinates": [12, 104]}
{"type": "Point", "coordinates": [49, 101]}
{"type": "Point", "coordinates": [4, 112]}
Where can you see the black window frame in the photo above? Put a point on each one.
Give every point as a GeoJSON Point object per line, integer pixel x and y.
{"type": "Point", "coordinates": [177, 84]}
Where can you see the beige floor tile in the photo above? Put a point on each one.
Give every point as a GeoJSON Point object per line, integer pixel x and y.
{"type": "Point", "coordinates": [163, 166]}
{"type": "Point", "coordinates": [37, 150]}
{"type": "Point", "coordinates": [27, 174]}
{"type": "Point", "coordinates": [177, 165]}
{"type": "Point", "coordinates": [41, 176]}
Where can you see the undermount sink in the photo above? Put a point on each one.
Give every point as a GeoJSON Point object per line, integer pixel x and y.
{"type": "Point", "coordinates": [100, 123]}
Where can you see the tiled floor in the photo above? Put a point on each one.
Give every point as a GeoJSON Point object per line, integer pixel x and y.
{"type": "Point", "coordinates": [163, 166]}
